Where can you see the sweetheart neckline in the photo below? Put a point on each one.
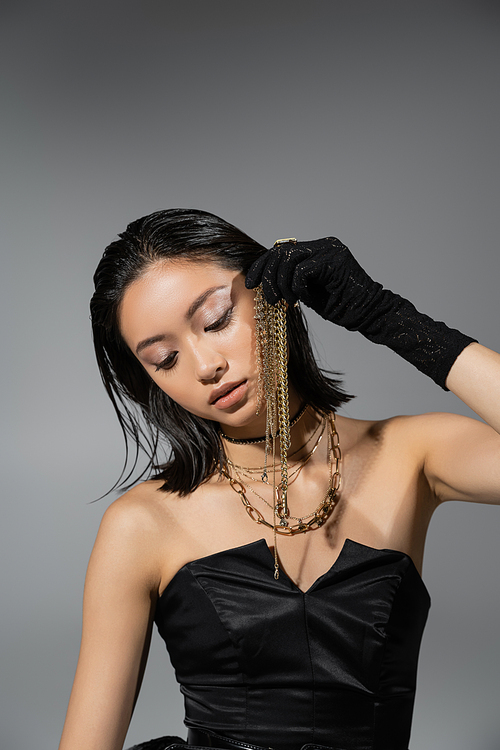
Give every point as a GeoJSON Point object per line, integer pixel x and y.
{"type": "Point", "coordinates": [262, 541]}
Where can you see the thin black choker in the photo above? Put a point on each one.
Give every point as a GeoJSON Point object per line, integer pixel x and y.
{"type": "Point", "coordinates": [252, 441]}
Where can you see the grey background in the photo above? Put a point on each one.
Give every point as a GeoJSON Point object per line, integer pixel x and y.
{"type": "Point", "coordinates": [374, 121]}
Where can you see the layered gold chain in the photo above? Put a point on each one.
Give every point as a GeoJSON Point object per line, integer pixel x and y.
{"type": "Point", "coordinates": [258, 469]}
{"type": "Point", "coordinates": [319, 515]}
{"type": "Point", "coordinates": [243, 472]}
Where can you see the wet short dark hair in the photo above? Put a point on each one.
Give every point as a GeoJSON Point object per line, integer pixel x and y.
{"type": "Point", "coordinates": [183, 450]}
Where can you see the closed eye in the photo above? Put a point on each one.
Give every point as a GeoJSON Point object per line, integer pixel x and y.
{"type": "Point", "coordinates": [167, 363]}
{"type": "Point", "coordinates": [221, 322]}
{"type": "Point", "coordinates": [170, 361]}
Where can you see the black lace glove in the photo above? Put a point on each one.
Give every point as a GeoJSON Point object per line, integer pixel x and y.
{"type": "Point", "coordinates": [325, 276]}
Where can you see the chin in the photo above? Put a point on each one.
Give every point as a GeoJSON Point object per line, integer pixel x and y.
{"type": "Point", "coordinates": [244, 419]}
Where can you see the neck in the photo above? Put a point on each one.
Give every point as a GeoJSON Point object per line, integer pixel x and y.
{"type": "Point", "coordinates": [252, 454]}
{"type": "Point", "coordinates": [257, 427]}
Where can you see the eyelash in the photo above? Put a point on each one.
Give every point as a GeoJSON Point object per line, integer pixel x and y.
{"type": "Point", "coordinates": [169, 362]}
{"type": "Point", "coordinates": [220, 324]}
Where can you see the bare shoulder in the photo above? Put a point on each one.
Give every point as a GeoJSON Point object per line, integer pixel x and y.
{"type": "Point", "coordinates": [415, 434]}
{"type": "Point", "coordinates": [355, 433]}
{"type": "Point", "coordinates": [137, 510]}
{"type": "Point", "coordinates": [460, 456]}
{"type": "Point", "coordinates": [133, 532]}
{"type": "Point", "coordinates": [431, 429]}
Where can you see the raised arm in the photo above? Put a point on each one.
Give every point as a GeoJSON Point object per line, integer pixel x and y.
{"type": "Point", "coordinates": [461, 456]}
{"type": "Point", "coordinates": [475, 379]}
{"type": "Point", "coordinates": [117, 619]}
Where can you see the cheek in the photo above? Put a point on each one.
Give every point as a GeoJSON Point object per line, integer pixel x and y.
{"type": "Point", "coordinates": [186, 391]}
{"type": "Point", "coordinates": [170, 386]}
{"type": "Point", "coordinates": [236, 345]}
{"type": "Point", "coordinates": [243, 345]}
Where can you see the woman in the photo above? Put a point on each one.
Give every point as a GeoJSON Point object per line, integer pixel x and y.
{"type": "Point", "coordinates": [279, 557]}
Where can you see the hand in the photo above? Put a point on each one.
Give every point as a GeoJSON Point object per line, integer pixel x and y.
{"type": "Point", "coordinates": [325, 276]}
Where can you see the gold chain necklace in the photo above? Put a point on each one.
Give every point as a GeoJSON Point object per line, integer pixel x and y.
{"type": "Point", "coordinates": [262, 439]}
{"type": "Point", "coordinates": [256, 469]}
{"type": "Point", "coordinates": [241, 471]}
{"type": "Point", "coordinates": [317, 518]}
{"type": "Point", "coordinates": [296, 467]}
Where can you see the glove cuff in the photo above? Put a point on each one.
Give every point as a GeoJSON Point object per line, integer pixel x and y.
{"type": "Point", "coordinates": [429, 345]}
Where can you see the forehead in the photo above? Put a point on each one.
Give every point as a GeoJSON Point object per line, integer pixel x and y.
{"type": "Point", "coordinates": [165, 292]}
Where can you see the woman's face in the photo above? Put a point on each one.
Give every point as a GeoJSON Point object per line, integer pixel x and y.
{"type": "Point", "coordinates": [191, 325]}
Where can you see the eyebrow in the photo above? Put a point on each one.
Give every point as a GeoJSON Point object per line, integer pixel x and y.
{"type": "Point", "coordinates": [198, 302]}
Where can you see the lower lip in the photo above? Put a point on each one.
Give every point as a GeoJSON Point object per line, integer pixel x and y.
{"type": "Point", "coordinates": [231, 398]}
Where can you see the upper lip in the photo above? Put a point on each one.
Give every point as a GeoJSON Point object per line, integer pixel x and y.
{"type": "Point", "coordinates": [222, 389]}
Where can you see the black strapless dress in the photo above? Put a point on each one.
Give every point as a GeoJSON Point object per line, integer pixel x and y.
{"type": "Point", "coordinates": [262, 662]}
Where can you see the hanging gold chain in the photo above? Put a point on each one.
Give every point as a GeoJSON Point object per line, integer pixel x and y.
{"type": "Point", "coordinates": [272, 387]}
{"type": "Point", "coordinates": [265, 335]}
{"type": "Point", "coordinates": [282, 404]}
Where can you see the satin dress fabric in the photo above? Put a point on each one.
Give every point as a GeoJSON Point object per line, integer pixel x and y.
{"type": "Point", "coordinates": [262, 662]}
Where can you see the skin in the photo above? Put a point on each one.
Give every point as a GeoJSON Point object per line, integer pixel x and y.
{"type": "Point", "coordinates": [394, 474]}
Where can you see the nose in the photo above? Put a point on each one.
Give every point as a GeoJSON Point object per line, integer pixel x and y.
{"type": "Point", "coordinates": [210, 365]}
